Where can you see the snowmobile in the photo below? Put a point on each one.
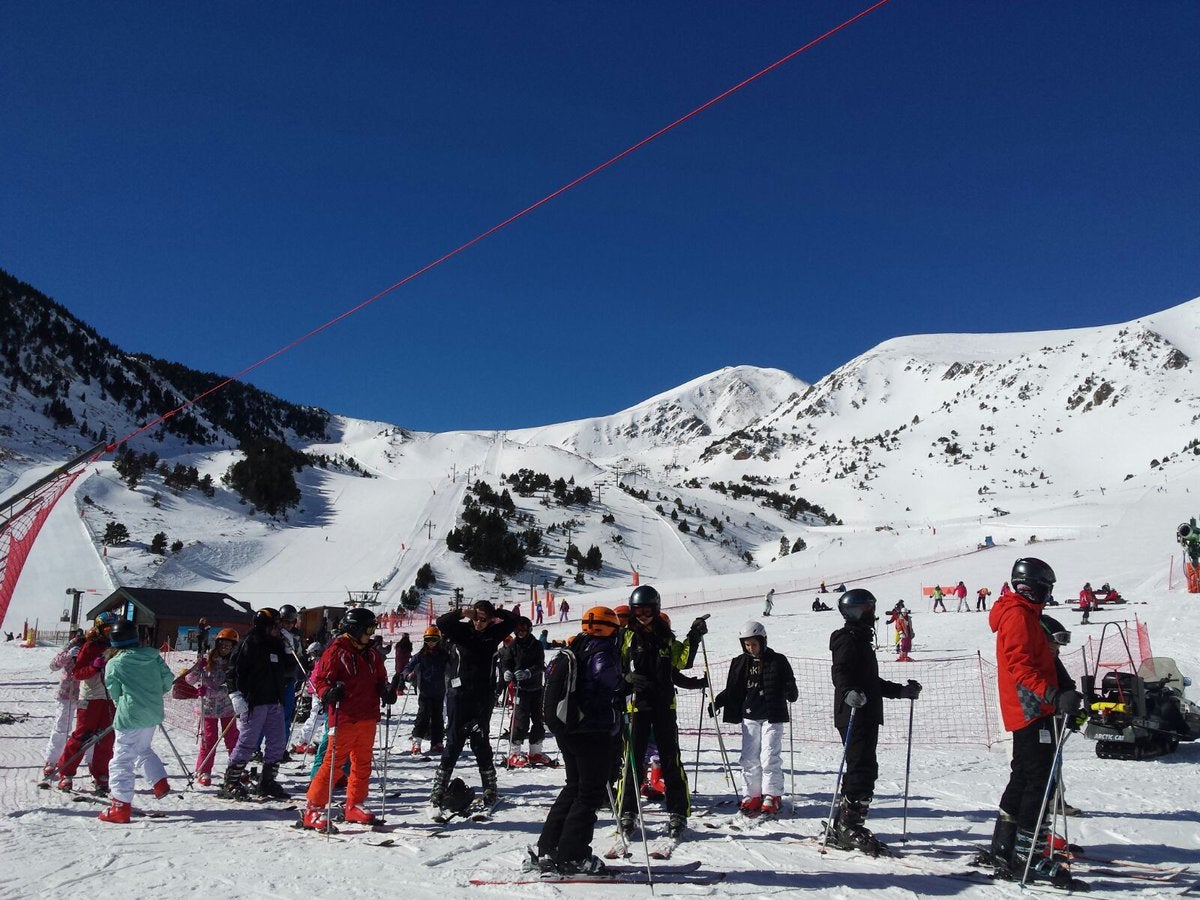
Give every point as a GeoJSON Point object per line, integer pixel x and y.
{"type": "Point", "coordinates": [1139, 714]}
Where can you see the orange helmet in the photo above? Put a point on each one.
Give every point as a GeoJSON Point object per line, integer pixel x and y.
{"type": "Point", "coordinates": [622, 613]}
{"type": "Point", "coordinates": [600, 621]}
{"type": "Point", "coordinates": [228, 634]}
{"type": "Point", "coordinates": [432, 632]}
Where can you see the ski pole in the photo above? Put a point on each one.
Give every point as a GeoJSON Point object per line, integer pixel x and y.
{"type": "Point", "coordinates": [512, 724]}
{"type": "Point", "coordinates": [717, 722]}
{"type": "Point", "coordinates": [331, 756]}
{"type": "Point", "coordinates": [387, 745]}
{"type": "Point", "coordinates": [637, 799]}
{"type": "Point", "coordinates": [907, 769]}
{"type": "Point", "coordinates": [699, 732]}
{"type": "Point", "coordinates": [612, 804]}
{"type": "Point", "coordinates": [190, 775]}
{"type": "Point", "coordinates": [1051, 783]}
{"type": "Point", "coordinates": [792, 760]}
{"type": "Point", "coordinates": [837, 785]}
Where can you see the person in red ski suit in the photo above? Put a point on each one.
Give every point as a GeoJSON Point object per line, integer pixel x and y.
{"type": "Point", "coordinates": [93, 721]}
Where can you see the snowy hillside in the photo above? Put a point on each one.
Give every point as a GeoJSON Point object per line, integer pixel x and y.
{"type": "Point", "coordinates": [969, 435]}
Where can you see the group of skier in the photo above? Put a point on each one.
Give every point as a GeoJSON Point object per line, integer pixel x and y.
{"type": "Point", "coordinates": [629, 663]}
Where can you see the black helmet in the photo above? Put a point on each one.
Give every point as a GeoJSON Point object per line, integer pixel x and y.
{"type": "Point", "coordinates": [265, 618]}
{"type": "Point", "coordinates": [288, 613]}
{"type": "Point", "coordinates": [523, 622]}
{"type": "Point", "coordinates": [644, 595]}
{"type": "Point", "coordinates": [857, 606]}
{"type": "Point", "coordinates": [1032, 578]}
{"type": "Point", "coordinates": [1055, 630]}
{"type": "Point", "coordinates": [357, 622]}
{"type": "Point", "coordinates": [124, 634]}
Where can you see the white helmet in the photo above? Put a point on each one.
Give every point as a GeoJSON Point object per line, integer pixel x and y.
{"type": "Point", "coordinates": [753, 630]}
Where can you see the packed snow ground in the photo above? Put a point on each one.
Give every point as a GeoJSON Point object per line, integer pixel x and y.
{"type": "Point", "coordinates": [1143, 811]}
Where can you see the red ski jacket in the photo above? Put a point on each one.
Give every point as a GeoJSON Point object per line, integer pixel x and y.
{"type": "Point", "coordinates": [1024, 661]}
{"type": "Point", "coordinates": [361, 670]}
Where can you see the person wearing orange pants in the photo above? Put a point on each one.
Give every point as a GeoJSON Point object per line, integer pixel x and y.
{"type": "Point", "coordinates": [351, 681]}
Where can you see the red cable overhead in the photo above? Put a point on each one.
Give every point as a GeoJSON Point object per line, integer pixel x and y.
{"type": "Point", "coordinates": [497, 227]}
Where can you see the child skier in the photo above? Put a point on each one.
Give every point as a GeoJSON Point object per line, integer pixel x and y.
{"type": "Point", "coordinates": [427, 669]}
{"type": "Point", "coordinates": [136, 678]}
{"type": "Point", "coordinates": [858, 694]}
{"type": "Point", "coordinates": [522, 662]}
{"type": "Point", "coordinates": [93, 721]}
{"type": "Point", "coordinates": [67, 702]}
{"type": "Point", "coordinates": [216, 710]}
{"type": "Point", "coordinates": [351, 679]}
{"type": "Point", "coordinates": [757, 693]}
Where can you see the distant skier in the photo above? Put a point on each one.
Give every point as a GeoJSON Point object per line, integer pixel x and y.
{"type": "Point", "coordinates": [563, 609]}
{"type": "Point", "coordinates": [522, 661]}
{"type": "Point", "coordinates": [858, 694]}
{"type": "Point", "coordinates": [904, 628]}
{"type": "Point", "coordinates": [981, 601]}
{"type": "Point", "coordinates": [758, 690]}
{"type": "Point", "coordinates": [939, 604]}
{"type": "Point", "coordinates": [960, 591]}
{"type": "Point", "coordinates": [769, 603]}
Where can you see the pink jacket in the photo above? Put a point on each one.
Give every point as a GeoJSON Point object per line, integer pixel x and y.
{"type": "Point", "coordinates": [68, 686]}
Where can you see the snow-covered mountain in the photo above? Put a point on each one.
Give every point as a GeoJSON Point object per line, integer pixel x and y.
{"type": "Point", "coordinates": [970, 434]}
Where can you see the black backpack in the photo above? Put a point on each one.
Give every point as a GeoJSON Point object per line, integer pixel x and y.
{"type": "Point", "coordinates": [560, 703]}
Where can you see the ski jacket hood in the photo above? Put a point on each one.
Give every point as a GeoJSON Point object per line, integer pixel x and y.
{"type": "Point", "coordinates": [1025, 673]}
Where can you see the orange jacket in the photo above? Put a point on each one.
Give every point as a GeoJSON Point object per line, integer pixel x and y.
{"type": "Point", "coordinates": [1024, 661]}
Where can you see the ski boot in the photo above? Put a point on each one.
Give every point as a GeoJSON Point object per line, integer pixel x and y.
{"type": "Point", "coordinates": [537, 862]}
{"type": "Point", "coordinates": [627, 823]}
{"type": "Point", "coordinates": [316, 818]}
{"type": "Point", "coordinates": [118, 813]}
{"type": "Point", "coordinates": [66, 784]}
{"type": "Point", "coordinates": [537, 757]}
{"type": "Point", "coordinates": [771, 804]}
{"type": "Point", "coordinates": [676, 826]}
{"type": "Point", "coordinates": [232, 788]}
{"type": "Point", "coordinates": [491, 796]}
{"type": "Point", "coordinates": [1004, 838]}
{"type": "Point", "coordinates": [358, 816]}
{"type": "Point", "coordinates": [436, 749]}
{"type": "Point", "coordinates": [100, 787]}
{"type": "Point", "coordinates": [591, 865]}
{"type": "Point", "coordinates": [849, 832]}
{"type": "Point", "coordinates": [437, 794]}
{"type": "Point", "coordinates": [204, 779]}
{"type": "Point", "coordinates": [162, 787]}
{"type": "Point", "coordinates": [517, 760]}
{"type": "Point", "coordinates": [267, 785]}
{"type": "Point", "coordinates": [416, 748]}
{"type": "Point", "coordinates": [751, 806]}
{"type": "Point", "coordinates": [1052, 869]}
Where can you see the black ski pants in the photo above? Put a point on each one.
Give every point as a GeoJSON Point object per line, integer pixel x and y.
{"type": "Point", "coordinates": [468, 714]}
{"type": "Point", "coordinates": [862, 764]}
{"type": "Point", "coordinates": [1033, 758]}
{"type": "Point", "coordinates": [571, 822]}
{"type": "Point", "coordinates": [527, 718]}
{"type": "Point", "coordinates": [429, 722]}
{"type": "Point", "coordinates": [660, 723]}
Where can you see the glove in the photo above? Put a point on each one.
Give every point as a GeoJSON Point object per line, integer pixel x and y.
{"type": "Point", "coordinates": [712, 710]}
{"type": "Point", "coordinates": [240, 706]}
{"type": "Point", "coordinates": [638, 681]}
{"type": "Point", "coordinates": [508, 676]}
{"type": "Point", "coordinates": [793, 695]}
{"type": "Point", "coordinates": [698, 630]}
{"type": "Point", "coordinates": [98, 663]}
{"type": "Point", "coordinates": [333, 694]}
{"type": "Point", "coordinates": [856, 699]}
{"type": "Point", "coordinates": [911, 691]}
{"type": "Point", "coordinates": [1069, 702]}
{"type": "Point", "coordinates": [73, 652]}
{"type": "Point", "coordinates": [522, 674]}
{"type": "Point", "coordinates": [389, 695]}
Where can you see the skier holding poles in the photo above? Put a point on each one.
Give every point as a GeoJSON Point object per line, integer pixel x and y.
{"type": "Point", "coordinates": [95, 714]}
{"type": "Point", "coordinates": [1030, 698]}
{"type": "Point", "coordinates": [858, 694]}
{"type": "Point", "coordinates": [352, 675]}
{"type": "Point", "coordinates": [649, 655]}
{"type": "Point", "coordinates": [757, 692]}
{"type": "Point", "coordinates": [522, 662]}
{"type": "Point", "coordinates": [217, 719]}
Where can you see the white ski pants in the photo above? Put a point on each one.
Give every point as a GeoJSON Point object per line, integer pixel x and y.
{"type": "Point", "coordinates": [762, 760]}
{"type": "Point", "coordinates": [131, 750]}
{"type": "Point", "coordinates": [64, 724]}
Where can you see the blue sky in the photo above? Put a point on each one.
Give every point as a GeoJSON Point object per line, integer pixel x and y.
{"type": "Point", "coordinates": [206, 182]}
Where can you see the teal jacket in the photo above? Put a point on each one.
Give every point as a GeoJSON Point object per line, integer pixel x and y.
{"type": "Point", "coordinates": [136, 679]}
